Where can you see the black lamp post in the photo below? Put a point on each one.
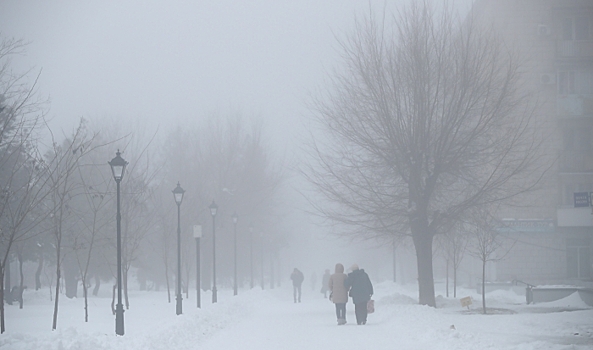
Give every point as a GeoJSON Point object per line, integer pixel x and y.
{"type": "Point", "coordinates": [251, 253]}
{"type": "Point", "coordinates": [178, 194]}
{"type": "Point", "coordinates": [213, 208]}
{"type": "Point", "coordinates": [118, 168]}
{"type": "Point", "coordinates": [235, 219]}
{"type": "Point", "coordinates": [197, 236]}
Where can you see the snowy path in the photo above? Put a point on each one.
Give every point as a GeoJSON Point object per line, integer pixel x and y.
{"type": "Point", "coordinates": [269, 319]}
{"type": "Point", "coordinates": [307, 325]}
{"type": "Point", "coordinates": [397, 324]}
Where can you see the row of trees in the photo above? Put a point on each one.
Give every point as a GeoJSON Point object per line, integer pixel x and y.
{"type": "Point", "coordinates": [426, 128]}
{"type": "Point", "coordinates": [57, 205]}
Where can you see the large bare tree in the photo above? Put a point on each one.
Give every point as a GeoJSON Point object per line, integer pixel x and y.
{"type": "Point", "coordinates": [425, 119]}
{"type": "Point", "coordinates": [21, 177]}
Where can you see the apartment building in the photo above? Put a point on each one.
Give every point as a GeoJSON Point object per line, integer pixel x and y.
{"type": "Point", "coordinates": [552, 236]}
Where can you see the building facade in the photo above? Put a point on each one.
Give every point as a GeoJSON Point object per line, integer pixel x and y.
{"type": "Point", "coordinates": [551, 237]}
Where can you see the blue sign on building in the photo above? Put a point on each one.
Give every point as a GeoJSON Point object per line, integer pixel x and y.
{"type": "Point", "coordinates": [581, 199]}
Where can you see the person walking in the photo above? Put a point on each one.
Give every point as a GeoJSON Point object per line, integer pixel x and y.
{"type": "Point", "coordinates": [325, 283]}
{"type": "Point", "coordinates": [361, 290]}
{"type": "Point", "coordinates": [297, 278]}
{"type": "Point", "coordinates": [338, 292]}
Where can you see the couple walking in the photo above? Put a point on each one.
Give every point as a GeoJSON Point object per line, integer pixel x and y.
{"type": "Point", "coordinates": [358, 285]}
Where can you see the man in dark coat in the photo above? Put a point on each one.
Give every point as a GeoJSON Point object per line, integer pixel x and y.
{"type": "Point", "coordinates": [361, 290]}
{"type": "Point", "coordinates": [297, 280]}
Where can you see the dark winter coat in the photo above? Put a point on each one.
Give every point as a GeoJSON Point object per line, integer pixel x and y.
{"type": "Point", "coordinates": [297, 278]}
{"type": "Point", "coordinates": [360, 286]}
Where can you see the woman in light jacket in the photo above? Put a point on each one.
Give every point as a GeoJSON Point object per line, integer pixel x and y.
{"type": "Point", "coordinates": [339, 293]}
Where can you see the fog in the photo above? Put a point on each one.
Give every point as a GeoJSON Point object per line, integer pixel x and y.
{"type": "Point", "coordinates": [171, 64]}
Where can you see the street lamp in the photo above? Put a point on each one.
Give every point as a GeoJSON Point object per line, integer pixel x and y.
{"type": "Point", "coordinates": [197, 236]}
{"type": "Point", "coordinates": [118, 168]}
{"type": "Point", "coordinates": [251, 253]}
{"type": "Point", "coordinates": [178, 195]}
{"type": "Point", "coordinates": [213, 208]}
{"type": "Point", "coordinates": [235, 219]}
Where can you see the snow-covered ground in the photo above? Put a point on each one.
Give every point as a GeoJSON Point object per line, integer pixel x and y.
{"type": "Point", "coordinates": [269, 319]}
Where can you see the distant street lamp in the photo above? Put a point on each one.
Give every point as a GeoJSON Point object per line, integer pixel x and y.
{"type": "Point", "coordinates": [251, 253]}
{"type": "Point", "coordinates": [235, 219]}
{"type": "Point", "coordinates": [118, 168]}
{"type": "Point", "coordinates": [197, 236]}
{"type": "Point", "coordinates": [213, 208]}
{"type": "Point", "coordinates": [178, 195]}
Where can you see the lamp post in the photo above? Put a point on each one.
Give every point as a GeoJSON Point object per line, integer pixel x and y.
{"type": "Point", "coordinates": [118, 168]}
{"type": "Point", "coordinates": [197, 236]}
{"type": "Point", "coordinates": [261, 235]}
{"type": "Point", "coordinates": [178, 195]}
{"type": "Point", "coordinates": [251, 253]}
{"type": "Point", "coordinates": [213, 208]}
{"type": "Point", "coordinates": [235, 219]}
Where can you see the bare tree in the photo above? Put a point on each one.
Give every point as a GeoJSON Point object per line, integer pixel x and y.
{"type": "Point", "coordinates": [22, 183]}
{"type": "Point", "coordinates": [63, 160]}
{"type": "Point", "coordinates": [92, 217]}
{"type": "Point", "coordinates": [487, 244]}
{"type": "Point", "coordinates": [425, 120]}
{"type": "Point", "coordinates": [454, 244]}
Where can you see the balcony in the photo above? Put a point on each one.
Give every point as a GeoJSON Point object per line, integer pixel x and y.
{"type": "Point", "coordinates": [574, 48]}
{"type": "Point", "coordinates": [574, 105]}
{"type": "Point", "coordinates": [574, 217]}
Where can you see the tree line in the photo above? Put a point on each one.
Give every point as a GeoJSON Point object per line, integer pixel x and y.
{"type": "Point", "coordinates": [57, 196]}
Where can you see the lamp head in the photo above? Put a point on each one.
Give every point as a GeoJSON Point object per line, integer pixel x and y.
{"type": "Point", "coordinates": [118, 166]}
{"type": "Point", "coordinates": [213, 208]}
{"type": "Point", "coordinates": [178, 194]}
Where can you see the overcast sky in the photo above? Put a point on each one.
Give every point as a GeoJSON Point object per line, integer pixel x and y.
{"type": "Point", "coordinates": [171, 61]}
{"type": "Point", "coordinates": [168, 61]}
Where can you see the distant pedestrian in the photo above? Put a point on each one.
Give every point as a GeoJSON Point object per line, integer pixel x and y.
{"type": "Point", "coordinates": [297, 280]}
{"type": "Point", "coordinates": [361, 290]}
{"type": "Point", "coordinates": [339, 292]}
{"type": "Point", "coordinates": [325, 283]}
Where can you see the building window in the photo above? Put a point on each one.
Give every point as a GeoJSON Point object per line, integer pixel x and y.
{"type": "Point", "coordinates": [575, 82]}
{"type": "Point", "coordinates": [577, 28]}
{"type": "Point", "coordinates": [578, 258]}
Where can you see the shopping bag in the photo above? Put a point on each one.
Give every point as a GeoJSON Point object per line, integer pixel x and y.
{"type": "Point", "coordinates": [371, 306]}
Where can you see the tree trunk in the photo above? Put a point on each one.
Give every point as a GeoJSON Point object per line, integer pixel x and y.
{"type": "Point", "coordinates": [168, 286]}
{"type": "Point", "coordinates": [454, 281]}
{"type": "Point", "coordinates": [21, 282]}
{"type": "Point", "coordinates": [38, 272]}
{"type": "Point", "coordinates": [484, 286]}
{"type": "Point", "coordinates": [97, 285]}
{"type": "Point", "coordinates": [86, 301]}
{"type": "Point", "coordinates": [423, 245]}
{"type": "Point", "coordinates": [71, 275]}
{"type": "Point", "coordinates": [7, 282]}
{"type": "Point", "coordinates": [55, 318]}
{"type": "Point", "coordinates": [113, 298]}
{"type": "Point", "coordinates": [125, 282]}
{"type": "Point", "coordinates": [2, 329]}
{"type": "Point", "coordinates": [447, 276]}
